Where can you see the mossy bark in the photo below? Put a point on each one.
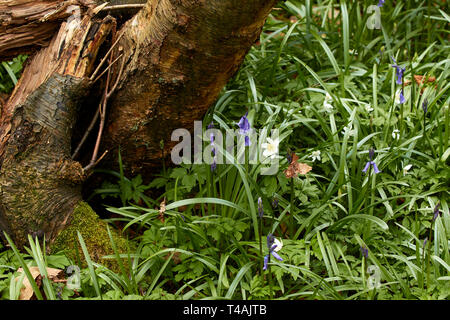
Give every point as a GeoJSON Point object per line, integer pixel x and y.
{"type": "Point", "coordinates": [40, 185]}
{"type": "Point", "coordinates": [95, 234]}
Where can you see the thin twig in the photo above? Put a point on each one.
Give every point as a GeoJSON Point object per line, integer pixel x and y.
{"type": "Point", "coordinates": [107, 68]}
{"type": "Point", "coordinates": [102, 121]}
{"type": "Point", "coordinates": [86, 134]}
{"type": "Point", "coordinates": [117, 79]}
{"type": "Point", "coordinates": [94, 120]}
{"type": "Point", "coordinates": [105, 57]}
{"type": "Point", "coordinates": [106, 95]}
{"type": "Point", "coordinates": [92, 165]}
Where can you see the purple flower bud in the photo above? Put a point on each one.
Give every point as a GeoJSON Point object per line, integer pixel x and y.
{"type": "Point", "coordinates": [270, 240]}
{"type": "Point", "coordinates": [260, 208]}
{"type": "Point", "coordinates": [371, 153]}
{"type": "Point", "coordinates": [244, 125]}
{"type": "Point", "coordinates": [425, 106]}
{"type": "Point", "coordinates": [213, 150]}
{"type": "Point", "coordinates": [425, 242]}
{"type": "Point", "coordinates": [398, 72]}
{"type": "Point", "coordinates": [380, 3]}
{"type": "Point", "coordinates": [275, 203]}
{"type": "Point", "coordinates": [289, 157]}
{"type": "Point", "coordinates": [402, 97]}
{"type": "Point", "coordinates": [266, 260]}
{"type": "Point", "coordinates": [365, 252]}
{"type": "Point", "coordinates": [247, 141]}
{"type": "Point", "coordinates": [436, 211]}
{"type": "Point", "coordinates": [244, 128]}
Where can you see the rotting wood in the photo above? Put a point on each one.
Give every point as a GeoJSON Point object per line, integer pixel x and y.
{"type": "Point", "coordinates": [39, 182]}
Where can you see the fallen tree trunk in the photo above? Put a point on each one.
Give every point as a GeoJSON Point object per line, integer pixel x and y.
{"type": "Point", "coordinates": [176, 55]}
{"type": "Point", "coordinates": [26, 25]}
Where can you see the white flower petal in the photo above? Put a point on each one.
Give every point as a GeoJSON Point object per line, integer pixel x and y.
{"type": "Point", "coordinates": [279, 245]}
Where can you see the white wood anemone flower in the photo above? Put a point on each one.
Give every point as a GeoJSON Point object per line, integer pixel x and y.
{"type": "Point", "coordinates": [368, 108]}
{"type": "Point", "coordinates": [406, 169]}
{"type": "Point", "coordinates": [326, 103]}
{"type": "Point", "coordinates": [315, 155]}
{"type": "Point", "coordinates": [351, 132]}
{"type": "Point", "coordinates": [278, 243]}
{"type": "Point", "coordinates": [270, 148]}
{"type": "Point", "coordinates": [396, 134]}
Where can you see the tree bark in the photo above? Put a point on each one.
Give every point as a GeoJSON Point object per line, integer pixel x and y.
{"type": "Point", "coordinates": [176, 67]}
{"type": "Point", "coordinates": [177, 56]}
{"type": "Point", "coordinates": [39, 182]}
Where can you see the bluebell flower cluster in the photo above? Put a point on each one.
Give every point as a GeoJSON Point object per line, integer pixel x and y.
{"type": "Point", "coordinates": [272, 246]}
{"type": "Point", "coordinates": [244, 128]}
{"type": "Point", "coordinates": [398, 72]}
{"type": "Point", "coordinates": [371, 162]}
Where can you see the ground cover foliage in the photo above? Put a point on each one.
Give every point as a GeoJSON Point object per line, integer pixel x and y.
{"type": "Point", "coordinates": [366, 108]}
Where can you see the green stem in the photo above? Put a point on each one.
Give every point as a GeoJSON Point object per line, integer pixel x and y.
{"type": "Point", "coordinates": [246, 161]}
{"type": "Point", "coordinates": [260, 250]}
{"type": "Point", "coordinates": [291, 222]}
{"type": "Point", "coordinates": [428, 257]}
{"type": "Point", "coordinates": [270, 280]}
{"type": "Point", "coordinates": [401, 115]}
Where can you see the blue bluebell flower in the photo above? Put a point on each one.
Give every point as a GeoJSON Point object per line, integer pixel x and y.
{"type": "Point", "coordinates": [399, 96]}
{"type": "Point", "coordinates": [398, 71]}
{"type": "Point", "coordinates": [402, 97]}
{"type": "Point", "coordinates": [371, 162]}
{"type": "Point", "coordinates": [274, 245]}
{"type": "Point", "coordinates": [375, 168]}
{"type": "Point", "coordinates": [371, 153]}
{"type": "Point", "coordinates": [244, 128]}
{"type": "Point", "coordinates": [380, 3]}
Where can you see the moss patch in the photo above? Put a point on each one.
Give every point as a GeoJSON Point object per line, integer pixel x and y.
{"type": "Point", "coordinates": [95, 235]}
